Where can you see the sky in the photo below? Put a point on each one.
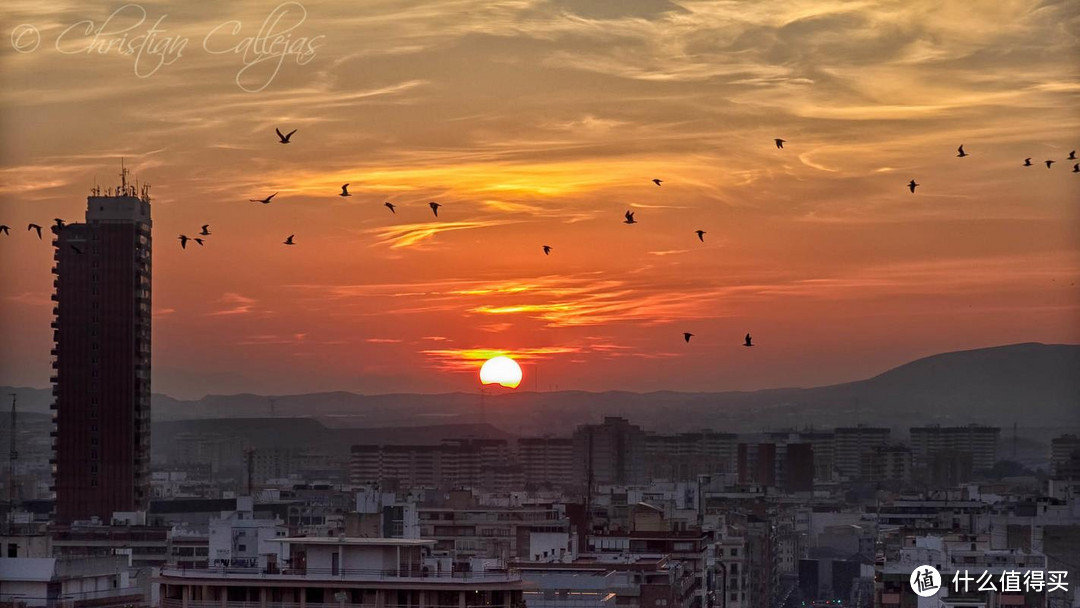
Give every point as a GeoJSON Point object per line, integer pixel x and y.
{"type": "Point", "coordinates": [540, 122]}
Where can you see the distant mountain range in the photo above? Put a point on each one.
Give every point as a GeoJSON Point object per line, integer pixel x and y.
{"type": "Point", "coordinates": [1033, 385]}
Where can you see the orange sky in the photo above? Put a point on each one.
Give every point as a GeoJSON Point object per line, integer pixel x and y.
{"type": "Point", "coordinates": [539, 122]}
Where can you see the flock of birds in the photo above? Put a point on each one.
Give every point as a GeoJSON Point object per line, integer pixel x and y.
{"type": "Point", "coordinates": [628, 217]}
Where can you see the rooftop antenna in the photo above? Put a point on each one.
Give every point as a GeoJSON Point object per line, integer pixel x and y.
{"type": "Point", "coordinates": [249, 454]}
{"type": "Point", "coordinates": [13, 455]}
{"type": "Point", "coordinates": [123, 176]}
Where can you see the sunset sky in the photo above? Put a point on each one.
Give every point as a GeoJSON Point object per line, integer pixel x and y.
{"type": "Point", "coordinates": [540, 122]}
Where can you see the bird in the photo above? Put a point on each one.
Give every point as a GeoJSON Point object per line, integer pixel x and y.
{"type": "Point", "coordinates": [547, 249]}
{"type": "Point", "coordinates": [1049, 162]}
{"type": "Point", "coordinates": [265, 201]}
{"type": "Point", "coordinates": [205, 230]}
{"type": "Point", "coordinates": [5, 229]}
{"type": "Point", "coordinates": [779, 143]}
{"type": "Point", "coordinates": [390, 206]}
{"type": "Point", "coordinates": [1076, 169]}
{"type": "Point", "coordinates": [1072, 155]}
{"type": "Point", "coordinates": [629, 215]}
{"type": "Point", "coordinates": [657, 181]}
{"type": "Point", "coordinates": [686, 336]}
{"type": "Point", "coordinates": [35, 227]}
{"type": "Point", "coordinates": [284, 138]}
{"type": "Point", "coordinates": [748, 342]}
{"type": "Point", "coordinates": [76, 249]}
{"type": "Point", "coordinates": [960, 152]}
{"type": "Point", "coordinates": [59, 222]}
{"type": "Point", "coordinates": [700, 235]}
{"type": "Point", "coordinates": [345, 190]}
{"type": "Point", "coordinates": [912, 185]}
{"type": "Point", "coordinates": [183, 238]}
{"type": "Point", "coordinates": [434, 208]}
{"type": "Point", "coordinates": [289, 241]}
{"type": "Point", "coordinates": [1027, 162]}
{"type": "Point", "coordinates": [198, 240]}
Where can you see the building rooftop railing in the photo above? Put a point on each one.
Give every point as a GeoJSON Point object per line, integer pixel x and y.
{"type": "Point", "coordinates": [285, 573]}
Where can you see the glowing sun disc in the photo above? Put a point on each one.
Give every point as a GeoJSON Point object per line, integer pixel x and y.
{"type": "Point", "coordinates": [501, 370]}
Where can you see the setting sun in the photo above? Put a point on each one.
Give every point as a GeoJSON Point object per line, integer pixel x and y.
{"type": "Point", "coordinates": [501, 370]}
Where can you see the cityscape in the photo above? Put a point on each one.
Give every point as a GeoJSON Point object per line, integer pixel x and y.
{"type": "Point", "coordinates": [540, 304]}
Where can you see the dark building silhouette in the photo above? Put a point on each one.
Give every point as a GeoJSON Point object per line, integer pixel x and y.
{"type": "Point", "coordinates": [756, 463]}
{"type": "Point", "coordinates": [799, 467]}
{"type": "Point", "coordinates": [101, 378]}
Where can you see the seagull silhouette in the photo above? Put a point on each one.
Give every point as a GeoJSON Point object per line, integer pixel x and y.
{"type": "Point", "coordinates": [205, 230]}
{"type": "Point", "coordinates": [960, 152]}
{"type": "Point", "coordinates": [434, 208]}
{"type": "Point", "coordinates": [198, 240]}
{"type": "Point", "coordinates": [35, 227]}
{"type": "Point", "coordinates": [1076, 169]}
{"type": "Point", "coordinates": [1049, 162]}
{"type": "Point", "coordinates": [779, 143]}
{"type": "Point", "coordinates": [1072, 155]}
{"type": "Point", "coordinates": [390, 206]}
{"type": "Point", "coordinates": [1027, 162]}
{"type": "Point", "coordinates": [686, 336]}
{"type": "Point", "coordinates": [547, 249]}
{"type": "Point", "coordinates": [700, 235]}
{"type": "Point", "coordinates": [912, 185]}
{"type": "Point", "coordinates": [748, 342]}
{"type": "Point", "coordinates": [345, 190]}
{"type": "Point", "coordinates": [5, 229]}
{"type": "Point", "coordinates": [265, 201]}
{"type": "Point", "coordinates": [289, 241]}
{"type": "Point", "coordinates": [183, 238]}
{"type": "Point", "coordinates": [284, 138]}
{"type": "Point", "coordinates": [629, 215]}
{"type": "Point", "coordinates": [657, 181]}
{"type": "Point", "coordinates": [76, 249]}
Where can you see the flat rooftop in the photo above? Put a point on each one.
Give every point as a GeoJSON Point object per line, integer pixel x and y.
{"type": "Point", "coordinates": [349, 540]}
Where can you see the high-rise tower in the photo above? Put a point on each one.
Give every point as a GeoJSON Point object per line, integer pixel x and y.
{"type": "Point", "coordinates": [101, 378]}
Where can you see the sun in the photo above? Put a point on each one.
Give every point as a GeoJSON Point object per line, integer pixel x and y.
{"type": "Point", "coordinates": [501, 370]}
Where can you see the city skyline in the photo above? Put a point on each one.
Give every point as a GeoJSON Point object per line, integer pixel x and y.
{"type": "Point", "coordinates": [541, 123]}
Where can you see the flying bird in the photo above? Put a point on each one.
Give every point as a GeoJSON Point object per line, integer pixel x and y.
{"type": "Point", "coordinates": [1072, 155]}
{"type": "Point", "coordinates": [686, 336]}
{"type": "Point", "coordinates": [779, 143]}
{"type": "Point", "coordinates": [748, 342]}
{"type": "Point", "coordinates": [284, 138]}
{"type": "Point", "coordinates": [76, 249]}
{"type": "Point", "coordinates": [912, 185]}
{"type": "Point", "coordinates": [4, 229]}
{"type": "Point", "coordinates": [198, 240]}
{"type": "Point", "coordinates": [35, 227]}
{"type": "Point", "coordinates": [289, 241]}
{"type": "Point", "coordinates": [960, 152]}
{"type": "Point", "coordinates": [205, 230]}
{"type": "Point", "coordinates": [183, 238]}
{"type": "Point", "coordinates": [390, 206]}
{"type": "Point", "coordinates": [1076, 169]}
{"type": "Point", "coordinates": [265, 201]}
{"type": "Point", "coordinates": [547, 249]}
{"type": "Point", "coordinates": [700, 235]}
{"type": "Point", "coordinates": [434, 208]}
{"type": "Point", "coordinates": [345, 190]}
{"type": "Point", "coordinates": [657, 181]}
{"type": "Point", "coordinates": [1027, 162]}
{"type": "Point", "coordinates": [629, 215]}
{"type": "Point", "coordinates": [1049, 162]}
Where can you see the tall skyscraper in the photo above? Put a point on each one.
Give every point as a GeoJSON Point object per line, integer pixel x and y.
{"type": "Point", "coordinates": [101, 378]}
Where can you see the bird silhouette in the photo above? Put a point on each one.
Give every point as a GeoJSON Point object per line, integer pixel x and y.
{"type": "Point", "coordinates": [205, 230]}
{"type": "Point", "coordinates": [265, 201]}
{"type": "Point", "coordinates": [629, 215]}
{"type": "Point", "coordinates": [289, 241]}
{"type": "Point", "coordinates": [960, 152]}
{"type": "Point", "coordinates": [35, 227]}
{"type": "Point", "coordinates": [748, 341]}
{"type": "Point", "coordinates": [76, 250]}
{"type": "Point", "coordinates": [700, 235]}
{"type": "Point", "coordinates": [1076, 169]}
{"type": "Point", "coordinates": [183, 238]}
{"type": "Point", "coordinates": [686, 336]}
{"type": "Point", "coordinates": [345, 190]}
{"type": "Point", "coordinates": [657, 181]}
{"type": "Point", "coordinates": [434, 208]}
{"type": "Point", "coordinates": [779, 143]}
{"type": "Point", "coordinates": [1027, 162]}
{"type": "Point", "coordinates": [284, 138]}
{"type": "Point", "coordinates": [5, 229]}
{"type": "Point", "coordinates": [1072, 155]}
{"type": "Point", "coordinates": [1049, 162]}
{"type": "Point", "coordinates": [390, 206]}
{"type": "Point", "coordinates": [912, 185]}
{"type": "Point", "coordinates": [547, 249]}
{"type": "Point", "coordinates": [198, 240]}
{"type": "Point", "coordinates": [59, 222]}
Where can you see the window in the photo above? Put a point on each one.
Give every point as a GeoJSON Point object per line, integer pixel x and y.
{"type": "Point", "coordinates": [241, 547]}
{"type": "Point", "coordinates": [12, 550]}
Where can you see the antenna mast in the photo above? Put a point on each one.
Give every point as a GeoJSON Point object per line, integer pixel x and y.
{"type": "Point", "coordinates": [13, 455]}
